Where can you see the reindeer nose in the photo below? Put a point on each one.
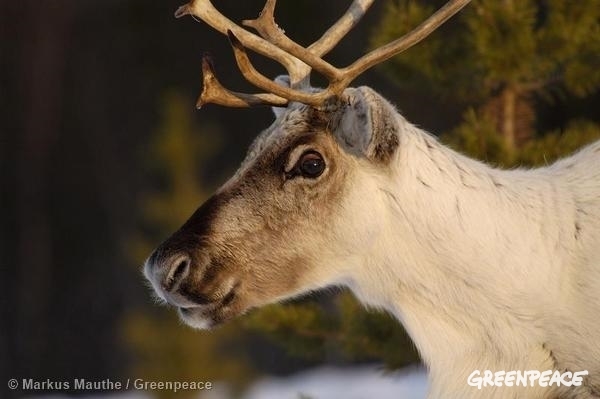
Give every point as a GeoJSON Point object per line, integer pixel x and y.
{"type": "Point", "coordinates": [177, 267]}
{"type": "Point", "coordinates": [168, 271]}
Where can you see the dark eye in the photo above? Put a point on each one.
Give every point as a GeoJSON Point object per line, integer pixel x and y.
{"type": "Point", "coordinates": [311, 164]}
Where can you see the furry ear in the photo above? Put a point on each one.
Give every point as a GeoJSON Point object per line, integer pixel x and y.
{"type": "Point", "coordinates": [369, 125]}
{"type": "Point", "coordinates": [283, 80]}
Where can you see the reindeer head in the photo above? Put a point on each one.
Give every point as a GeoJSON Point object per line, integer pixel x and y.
{"type": "Point", "coordinates": [287, 221]}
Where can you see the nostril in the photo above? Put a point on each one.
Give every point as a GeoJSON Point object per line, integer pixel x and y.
{"type": "Point", "coordinates": [178, 271]}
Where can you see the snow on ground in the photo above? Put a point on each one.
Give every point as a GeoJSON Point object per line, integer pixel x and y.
{"type": "Point", "coordinates": [334, 383]}
{"type": "Point", "coordinates": [365, 382]}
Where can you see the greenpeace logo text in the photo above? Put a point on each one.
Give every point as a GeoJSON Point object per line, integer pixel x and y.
{"type": "Point", "coordinates": [525, 378]}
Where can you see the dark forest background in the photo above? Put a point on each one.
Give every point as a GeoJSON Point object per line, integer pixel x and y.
{"type": "Point", "coordinates": [102, 155]}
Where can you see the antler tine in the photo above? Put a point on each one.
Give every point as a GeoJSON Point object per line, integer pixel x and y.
{"type": "Point", "coordinates": [265, 21]}
{"type": "Point", "coordinates": [214, 92]}
{"type": "Point", "coordinates": [266, 26]}
{"type": "Point", "coordinates": [204, 10]}
{"type": "Point", "coordinates": [261, 81]}
{"type": "Point", "coordinates": [337, 31]}
{"type": "Point", "coordinates": [403, 43]}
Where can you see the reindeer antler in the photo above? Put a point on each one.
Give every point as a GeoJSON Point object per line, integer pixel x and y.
{"type": "Point", "coordinates": [298, 60]}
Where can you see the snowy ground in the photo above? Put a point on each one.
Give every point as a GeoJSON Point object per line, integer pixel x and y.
{"type": "Point", "coordinates": [332, 383]}
{"type": "Point", "coordinates": [321, 383]}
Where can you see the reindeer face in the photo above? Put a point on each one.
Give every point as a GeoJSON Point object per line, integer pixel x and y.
{"type": "Point", "coordinates": [282, 225]}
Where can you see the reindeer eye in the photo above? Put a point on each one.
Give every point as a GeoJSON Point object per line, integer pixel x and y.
{"type": "Point", "coordinates": [311, 164]}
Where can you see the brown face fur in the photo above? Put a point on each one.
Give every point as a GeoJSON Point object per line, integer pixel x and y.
{"type": "Point", "coordinates": [254, 241]}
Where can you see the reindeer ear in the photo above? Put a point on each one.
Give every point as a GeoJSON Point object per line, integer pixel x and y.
{"type": "Point", "coordinates": [283, 80]}
{"type": "Point", "coordinates": [369, 125]}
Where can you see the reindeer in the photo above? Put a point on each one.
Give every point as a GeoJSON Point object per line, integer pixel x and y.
{"type": "Point", "coordinates": [487, 269]}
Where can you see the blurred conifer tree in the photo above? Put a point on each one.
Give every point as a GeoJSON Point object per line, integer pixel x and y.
{"type": "Point", "coordinates": [166, 350]}
{"type": "Point", "coordinates": [499, 57]}
{"type": "Point", "coordinates": [347, 331]}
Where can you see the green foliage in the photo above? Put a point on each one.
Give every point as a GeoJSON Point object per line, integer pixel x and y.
{"type": "Point", "coordinates": [571, 41]}
{"type": "Point", "coordinates": [373, 334]}
{"type": "Point", "coordinates": [178, 151]}
{"type": "Point", "coordinates": [558, 144]}
{"type": "Point", "coordinates": [477, 137]}
{"type": "Point", "coordinates": [303, 328]}
{"type": "Point", "coordinates": [346, 328]}
{"type": "Point", "coordinates": [434, 65]}
{"type": "Point", "coordinates": [502, 36]}
{"type": "Point", "coordinates": [498, 56]}
{"type": "Point", "coordinates": [524, 44]}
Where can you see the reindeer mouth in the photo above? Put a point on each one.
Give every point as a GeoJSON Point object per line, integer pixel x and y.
{"type": "Point", "coordinates": [207, 316]}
